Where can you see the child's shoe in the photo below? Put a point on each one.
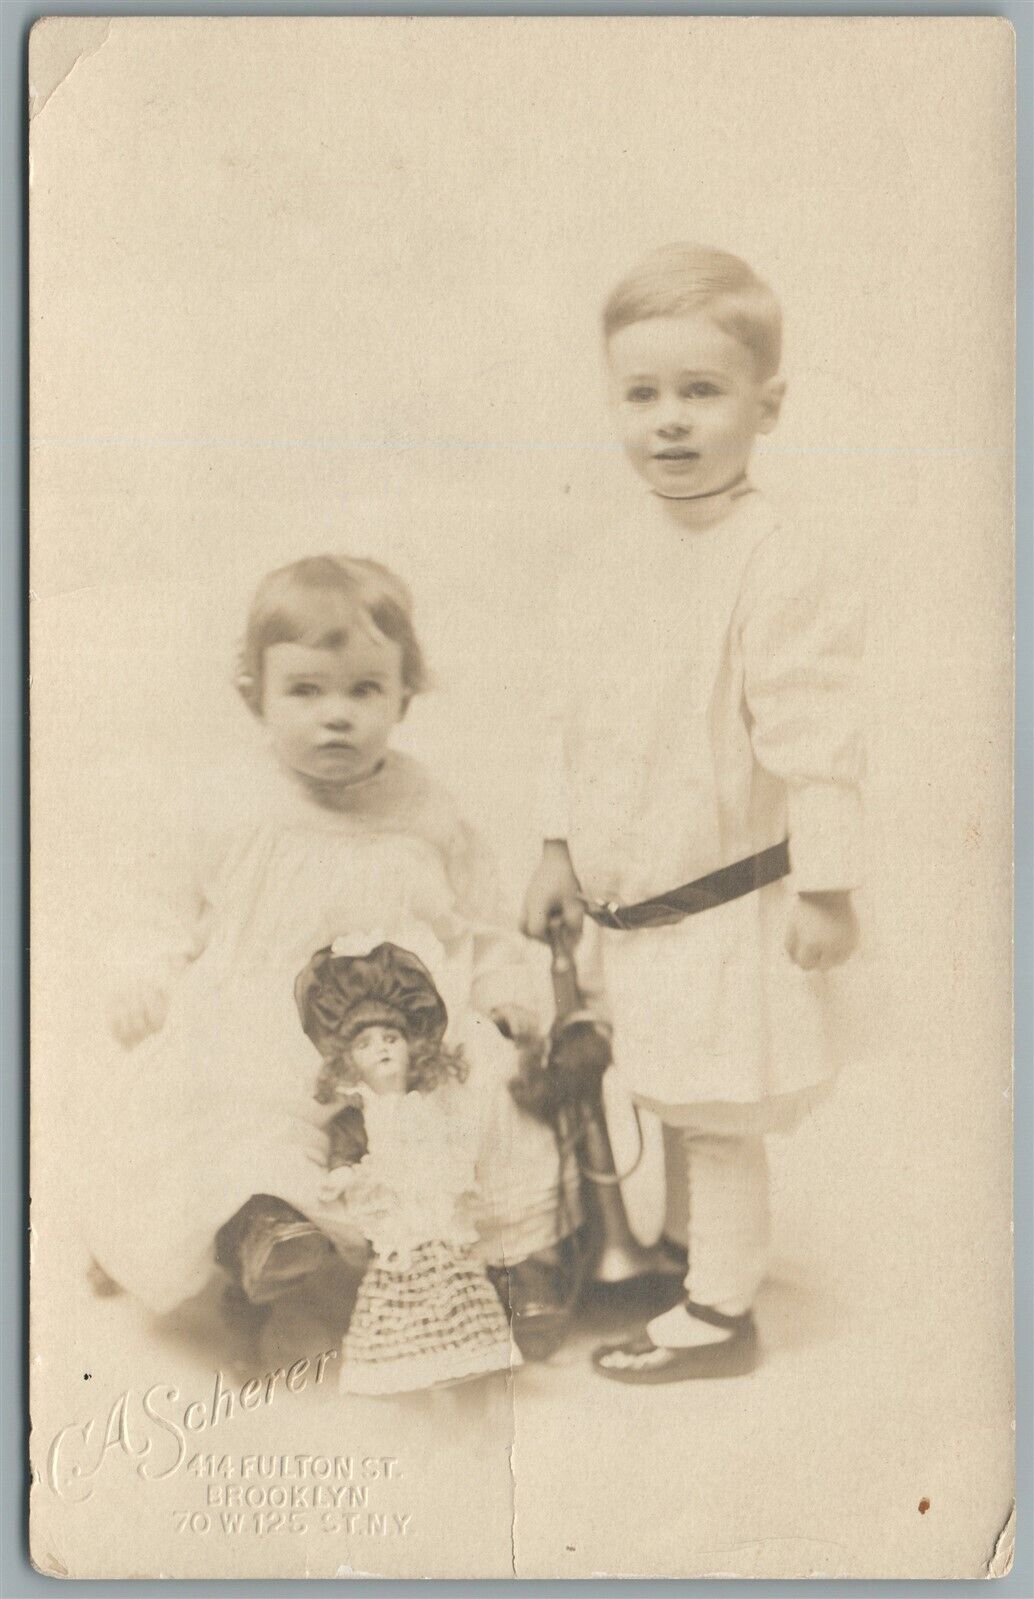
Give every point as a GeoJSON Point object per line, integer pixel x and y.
{"type": "Point", "coordinates": [641, 1360]}
{"type": "Point", "coordinates": [268, 1247]}
{"type": "Point", "coordinates": [539, 1295]}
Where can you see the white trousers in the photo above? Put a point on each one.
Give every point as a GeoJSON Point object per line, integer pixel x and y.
{"type": "Point", "coordinates": [717, 1205]}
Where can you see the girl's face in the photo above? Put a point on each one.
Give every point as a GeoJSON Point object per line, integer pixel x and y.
{"type": "Point", "coordinates": [381, 1057]}
{"type": "Point", "coordinates": [331, 712]}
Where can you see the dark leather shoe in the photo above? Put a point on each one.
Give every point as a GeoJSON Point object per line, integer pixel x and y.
{"type": "Point", "coordinates": [539, 1295]}
{"type": "Point", "coordinates": [640, 1360]}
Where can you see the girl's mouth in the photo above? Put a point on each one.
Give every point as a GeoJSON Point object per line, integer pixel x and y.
{"type": "Point", "coordinates": [676, 455]}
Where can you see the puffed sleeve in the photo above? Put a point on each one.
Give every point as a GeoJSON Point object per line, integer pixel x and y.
{"type": "Point", "coordinates": [165, 911]}
{"type": "Point", "coordinates": [566, 608]}
{"type": "Point", "coordinates": [552, 811]}
{"type": "Point", "coordinates": [503, 973]}
{"type": "Point", "coordinates": [801, 626]}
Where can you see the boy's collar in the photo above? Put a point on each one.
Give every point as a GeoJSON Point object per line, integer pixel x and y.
{"type": "Point", "coordinates": [704, 510]}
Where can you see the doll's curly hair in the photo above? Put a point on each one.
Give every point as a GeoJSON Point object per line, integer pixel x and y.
{"type": "Point", "coordinates": [430, 1065]}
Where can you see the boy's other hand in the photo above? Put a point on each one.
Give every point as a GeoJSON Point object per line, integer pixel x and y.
{"type": "Point", "coordinates": [136, 1011]}
{"type": "Point", "coordinates": [822, 930]}
{"type": "Point", "coordinates": [553, 890]}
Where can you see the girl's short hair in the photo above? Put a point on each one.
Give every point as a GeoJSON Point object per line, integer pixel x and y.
{"type": "Point", "coordinates": [319, 601]}
{"type": "Point", "coordinates": [684, 278]}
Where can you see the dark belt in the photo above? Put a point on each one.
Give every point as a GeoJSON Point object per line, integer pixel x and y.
{"type": "Point", "coordinates": [717, 888]}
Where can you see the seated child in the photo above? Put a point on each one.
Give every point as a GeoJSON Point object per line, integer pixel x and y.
{"type": "Point", "coordinates": [331, 833]}
{"type": "Point", "coordinates": [402, 1158]}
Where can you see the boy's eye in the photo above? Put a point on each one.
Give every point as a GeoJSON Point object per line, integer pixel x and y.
{"type": "Point", "coordinates": [641, 394]}
{"type": "Point", "coordinates": [701, 390]}
{"type": "Point", "coordinates": [363, 691]}
{"type": "Point", "coordinates": [304, 690]}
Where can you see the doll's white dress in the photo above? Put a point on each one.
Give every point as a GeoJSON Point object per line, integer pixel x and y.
{"type": "Point", "coordinates": [426, 1313]}
{"type": "Point", "coordinates": [218, 1106]}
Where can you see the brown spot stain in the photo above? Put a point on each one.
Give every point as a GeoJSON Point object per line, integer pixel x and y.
{"type": "Point", "coordinates": [924, 1505]}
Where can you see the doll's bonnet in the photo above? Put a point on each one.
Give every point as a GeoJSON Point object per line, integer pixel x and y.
{"type": "Point", "coordinates": [339, 994]}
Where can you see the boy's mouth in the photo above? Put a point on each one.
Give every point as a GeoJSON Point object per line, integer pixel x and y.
{"type": "Point", "coordinates": [676, 455]}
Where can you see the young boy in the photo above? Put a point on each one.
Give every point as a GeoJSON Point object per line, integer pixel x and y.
{"type": "Point", "coordinates": [708, 817]}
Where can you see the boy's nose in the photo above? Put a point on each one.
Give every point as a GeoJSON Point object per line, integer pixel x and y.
{"type": "Point", "coordinates": [673, 425]}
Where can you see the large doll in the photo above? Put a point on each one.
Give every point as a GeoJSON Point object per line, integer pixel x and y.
{"type": "Point", "coordinates": [402, 1156]}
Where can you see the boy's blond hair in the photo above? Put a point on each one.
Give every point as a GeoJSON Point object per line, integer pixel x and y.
{"type": "Point", "coordinates": [682, 279]}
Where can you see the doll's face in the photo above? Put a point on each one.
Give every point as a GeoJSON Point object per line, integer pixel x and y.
{"type": "Point", "coordinates": [381, 1057]}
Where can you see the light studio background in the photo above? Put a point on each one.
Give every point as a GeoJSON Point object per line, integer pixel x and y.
{"type": "Point", "coordinates": [310, 285]}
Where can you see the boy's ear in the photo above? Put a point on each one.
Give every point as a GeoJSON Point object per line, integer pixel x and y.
{"type": "Point", "coordinates": [770, 404]}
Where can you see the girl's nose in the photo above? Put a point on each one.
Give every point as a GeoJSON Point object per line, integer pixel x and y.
{"type": "Point", "coordinates": [338, 716]}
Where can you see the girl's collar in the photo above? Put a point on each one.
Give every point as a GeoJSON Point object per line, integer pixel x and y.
{"type": "Point", "coordinates": [340, 796]}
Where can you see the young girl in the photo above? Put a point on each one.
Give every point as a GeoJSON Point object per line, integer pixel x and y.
{"type": "Point", "coordinates": [332, 833]}
{"type": "Point", "coordinates": [402, 1165]}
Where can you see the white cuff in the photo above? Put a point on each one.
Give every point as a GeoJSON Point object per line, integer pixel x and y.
{"type": "Point", "coordinates": [825, 825]}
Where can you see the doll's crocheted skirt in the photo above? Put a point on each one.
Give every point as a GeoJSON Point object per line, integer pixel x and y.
{"type": "Point", "coordinates": [436, 1320]}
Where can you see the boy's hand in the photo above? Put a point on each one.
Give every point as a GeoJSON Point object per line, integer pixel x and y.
{"type": "Point", "coordinates": [137, 1011]}
{"type": "Point", "coordinates": [822, 930]}
{"type": "Point", "coordinates": [553, 890]}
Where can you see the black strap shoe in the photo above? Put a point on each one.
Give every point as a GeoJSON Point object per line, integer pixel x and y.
{"type": "Point", "coordinates": [640, 1360]}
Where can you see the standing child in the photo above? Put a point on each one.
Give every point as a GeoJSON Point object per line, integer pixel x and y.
{"type": "Point", "coordinates": [219, 1143]}
{"type": "Point", "coordinates": [402, 1163]}
{"type": "Point", "coordinates": [708, 816]}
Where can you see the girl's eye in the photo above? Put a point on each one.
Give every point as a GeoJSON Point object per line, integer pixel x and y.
{"type": "Point", "coordinates": [700, 391]}
{"type": "Point", "coordinates": [304, 690]}
{"type": "Point", "coordinates": [641, 394]}
{"type": "Point", "coordinates": [363, 691]}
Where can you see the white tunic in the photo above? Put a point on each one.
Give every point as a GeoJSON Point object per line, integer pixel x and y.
{"type": "Point", "coordinates": [708, 710]}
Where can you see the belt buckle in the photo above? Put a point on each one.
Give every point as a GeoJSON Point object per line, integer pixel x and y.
{"type": "Point", "coordinates": [616, 914]}
{"type": "Point", "coordinates": [605, 913]}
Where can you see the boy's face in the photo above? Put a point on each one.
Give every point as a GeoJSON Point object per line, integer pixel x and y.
{"type": "Point", "coordinates": [381, 1056]}
{"type": "Point", "coordinates": [688, 403]}
{"type": "Point", "coordinates": [331, 712]}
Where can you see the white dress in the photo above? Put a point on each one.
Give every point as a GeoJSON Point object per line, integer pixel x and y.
{"type": "Point", "coordinates": [219, 1105]}
{"type": "Point", "coordinates": [708, 684]}
{"type": "Point", "coordinates": [426, 1312]}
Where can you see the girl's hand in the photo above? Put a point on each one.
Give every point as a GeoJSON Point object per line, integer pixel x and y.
{"type": "Point", "coordinates": [137, 1011]}
{"type": "Point", "coordinates": [822, 930]}
{"type": "Point", "coordinates": [553, 889]}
